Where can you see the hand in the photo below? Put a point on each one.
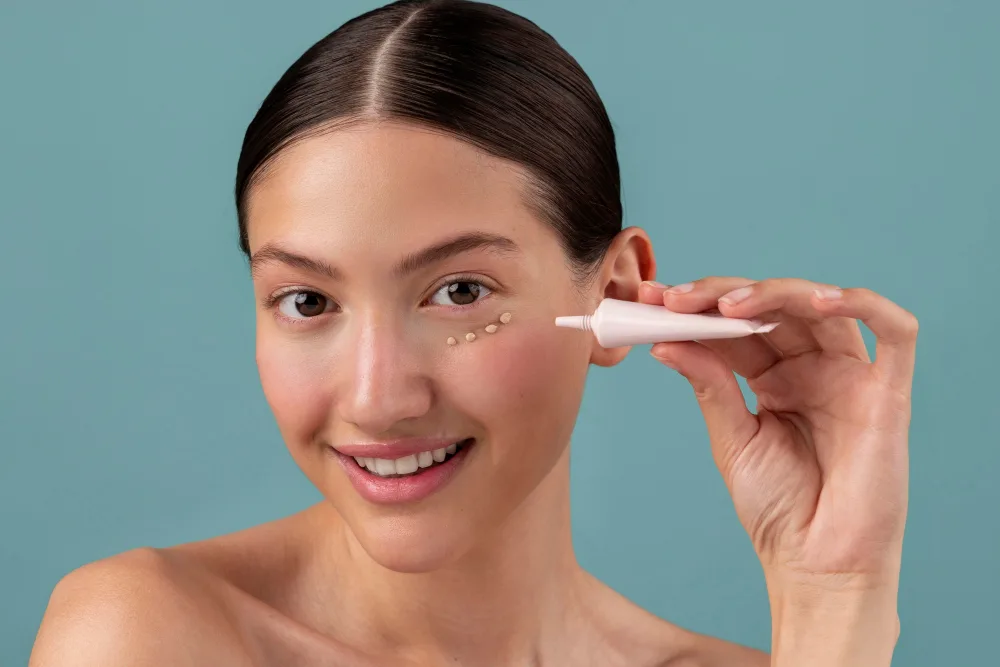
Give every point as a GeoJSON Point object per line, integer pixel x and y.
{"type": "Point", "coordinates": [819, 475]}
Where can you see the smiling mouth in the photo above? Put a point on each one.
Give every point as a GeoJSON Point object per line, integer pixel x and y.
{"type": "Point", "coordinates": [412, 465]}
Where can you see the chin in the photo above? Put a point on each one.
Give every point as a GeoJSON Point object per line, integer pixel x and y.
{"type": "Point", "coordinates": [403, 545]}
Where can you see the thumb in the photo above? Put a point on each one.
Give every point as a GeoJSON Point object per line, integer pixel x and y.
{"type": "Point", "coordinates": [730, 425]}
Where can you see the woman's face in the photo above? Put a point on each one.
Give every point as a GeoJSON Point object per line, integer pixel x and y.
{"type": "Point", "coordinates": [371, 247]}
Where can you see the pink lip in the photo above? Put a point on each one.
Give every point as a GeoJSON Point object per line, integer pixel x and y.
{"type": "Point", "coordinates": [399, 490]}
{"type": "Point", "coordinates": [394, 449]}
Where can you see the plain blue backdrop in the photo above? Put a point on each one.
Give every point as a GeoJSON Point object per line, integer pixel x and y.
{"type": "Point", "coordinates": [854, 142]}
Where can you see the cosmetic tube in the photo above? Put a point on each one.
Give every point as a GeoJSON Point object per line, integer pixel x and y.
{"type": "Point", "coordinates": [618, 323]}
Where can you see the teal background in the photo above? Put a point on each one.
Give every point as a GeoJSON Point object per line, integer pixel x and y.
{"type": "Point", "coordinates": [852, 142]}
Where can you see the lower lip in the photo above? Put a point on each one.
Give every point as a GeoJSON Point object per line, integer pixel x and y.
{"type": "Point", "coordinates": [397, 490]}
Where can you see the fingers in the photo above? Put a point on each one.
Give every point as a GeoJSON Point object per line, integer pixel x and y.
{"type": "Point", "coordinates": [809, 321]}
{"type": "Point", "coordinates": [790, 339]}
{"type": "Point", "coordinates": [651, 292]}
{"type": "Point", "coordinates": [805, 327]}
{"type": "Point", "coordinates": [748, 356]}
{"type": "Point", "coordinates": [894, 327]}
{"type": "Point", "coordinates": [702, 295]}
{"type": "Point", "coordinates": [730, 424]}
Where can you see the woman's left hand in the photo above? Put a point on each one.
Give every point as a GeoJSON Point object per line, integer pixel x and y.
{"type": "Point", "coordinates": [819, 475]}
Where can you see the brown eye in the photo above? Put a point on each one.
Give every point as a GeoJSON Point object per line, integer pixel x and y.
{"type": "Point", "coordinates": [302, 305]}
{"type": "Point", "coordinates": [459, 293]}
{"type": "Point", "coordinates": [463, 293]}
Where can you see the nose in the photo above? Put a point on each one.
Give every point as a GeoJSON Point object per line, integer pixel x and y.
{"type": "Point", "coordinates": [385, 385]}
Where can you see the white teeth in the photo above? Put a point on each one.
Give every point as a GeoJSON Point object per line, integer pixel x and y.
{"type": "Point", "coordinates": [406, 465]}
{"type": "Point", "coordinates": [425, 459]}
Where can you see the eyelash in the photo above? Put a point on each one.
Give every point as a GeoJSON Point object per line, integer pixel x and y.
{"type": "Point", "coordinates": [271, 302]}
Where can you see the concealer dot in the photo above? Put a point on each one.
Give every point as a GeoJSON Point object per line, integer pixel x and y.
{"type": "Point", "coordinates": [491, 328]}
{"type": "Point", "coordinates": [451, 340]}
{"type": "Point", "coordinates": [505, 318]}
{"type": "Point", "coordinates": [470, 336]}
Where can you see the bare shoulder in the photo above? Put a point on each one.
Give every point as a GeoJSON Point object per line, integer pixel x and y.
{"type": "Point", "coordinates": [637, 637]}
{"type": "Point", "coordinates": [138, 608]}
{"type": "Point", "coordinates": [704, 651]}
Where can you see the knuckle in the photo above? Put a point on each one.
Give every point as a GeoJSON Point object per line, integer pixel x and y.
{"type": "Point", "coordinates": [861, 294]}
{"type": "Point", "coordinates": [786, 286]}
{"type": "Point", "coordinates": [769, 292]}
{"type": "Point", "coordinates": [710, 389]}
{"type": "Point", "coordinates": [867, 300]}
{"type": "Point", "coordinates": [910, 325]}
{"type": "Point", "coordinates": [707, 391]}
{"type": "Point", "coordinates": [782, 282]}
{"type": "Point", "coordinates": [723, 283]}
{"type": "Point", "coordinates": [787, 283]}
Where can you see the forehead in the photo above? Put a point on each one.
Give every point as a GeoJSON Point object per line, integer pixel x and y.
{"type": "Point", "coordinates": [386, 181]}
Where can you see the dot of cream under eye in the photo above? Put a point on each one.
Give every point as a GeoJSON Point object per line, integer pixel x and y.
{"type": "Point", "coordinates": [491, 328]}
{"type": "Point", "coordinates": [505, 318]}
{"type": "Point", "coordinates": [452, 341]}
{"type": "Point", "coordinates": [470, 336]}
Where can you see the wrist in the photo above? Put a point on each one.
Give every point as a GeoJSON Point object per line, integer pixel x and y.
{"type": "Point", "coordinates": [833, 621]}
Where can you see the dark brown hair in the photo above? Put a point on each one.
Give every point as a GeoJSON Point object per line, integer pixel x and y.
{"type": "Point", "coordinates": [476, 71]}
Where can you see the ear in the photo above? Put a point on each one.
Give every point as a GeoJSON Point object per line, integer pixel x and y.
{"type": "Point", "coordinates": [628, 262]}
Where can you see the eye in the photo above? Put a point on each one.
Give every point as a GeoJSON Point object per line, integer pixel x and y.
{"type": "Point", "coordinates": [303, 305]}
{"type": "Point", "coordinates": [459, 293]}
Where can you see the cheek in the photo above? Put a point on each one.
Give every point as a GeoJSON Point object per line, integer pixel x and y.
{"type": "Point", "coordinates": [526, 378]}
{"type": "Point", "coordinates": [296, 388]}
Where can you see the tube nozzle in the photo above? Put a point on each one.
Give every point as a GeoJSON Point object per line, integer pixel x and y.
{"type": "Point", "coordinates": [581, 322]}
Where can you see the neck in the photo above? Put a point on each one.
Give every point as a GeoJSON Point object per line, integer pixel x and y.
{"type": "Point", "coordinates": [501, 603]}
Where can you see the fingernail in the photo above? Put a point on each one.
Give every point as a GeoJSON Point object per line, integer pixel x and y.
{"type": "Point", "coordinates": [736, 296]}
{"type": "Point", "coordinates": [828, 294]}
{"type": "Point", "coordinates": [653, 283]}
{"type": "Point", "coordinates": [681, 289]}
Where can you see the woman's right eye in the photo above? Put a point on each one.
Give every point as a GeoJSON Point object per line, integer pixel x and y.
{"type": "Point", "coordinates": [304, 305]}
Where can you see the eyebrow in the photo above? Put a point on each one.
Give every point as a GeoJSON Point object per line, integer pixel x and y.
{"type": "Point", "coordinates": [273, 253]}
{"type": "Point", "coordinates": [452, 247]}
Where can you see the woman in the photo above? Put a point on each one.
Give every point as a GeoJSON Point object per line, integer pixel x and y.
{"type": "Point", "coordinates": [419, 196]}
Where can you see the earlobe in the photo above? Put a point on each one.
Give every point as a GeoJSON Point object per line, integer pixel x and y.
{"type": "Point", "coordinates": [628, 263]}
{"type": "Point", "coordinates": [608, 357]}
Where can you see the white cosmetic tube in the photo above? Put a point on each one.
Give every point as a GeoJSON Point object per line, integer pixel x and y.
{"type": "Point", "coordinates": [622, 323]}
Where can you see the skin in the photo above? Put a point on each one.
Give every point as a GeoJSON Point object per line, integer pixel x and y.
{"type": "Point", "coordinates": [483, 572]}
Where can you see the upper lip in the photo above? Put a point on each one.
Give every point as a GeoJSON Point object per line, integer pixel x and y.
{"type": "Point", "coordinates": [395, 449]}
